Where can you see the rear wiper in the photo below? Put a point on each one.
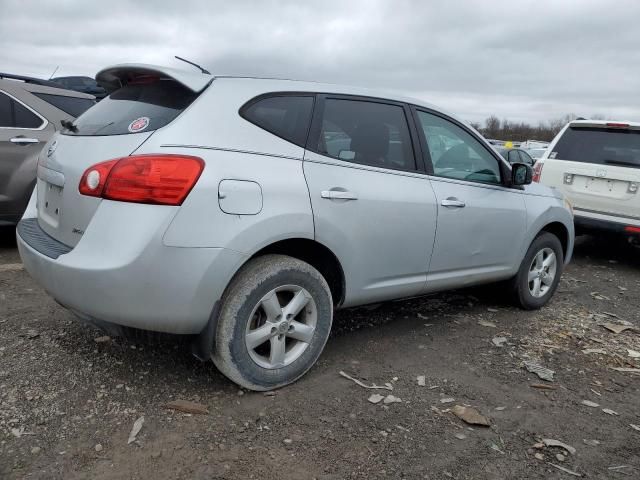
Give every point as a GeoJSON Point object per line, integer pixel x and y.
{"type": "Point", "coordinates": [69, 126]}
{"type": "Point", "coordinates": [622, 162]}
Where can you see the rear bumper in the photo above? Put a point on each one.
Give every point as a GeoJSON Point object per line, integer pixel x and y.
{"type": "Point", "coordinates": [132, 279]}
{"type": "Point", "coordinates": [588, 222]}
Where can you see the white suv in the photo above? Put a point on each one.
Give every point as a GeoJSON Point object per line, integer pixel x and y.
{"type": "Point", "coordinates": [596, 164]}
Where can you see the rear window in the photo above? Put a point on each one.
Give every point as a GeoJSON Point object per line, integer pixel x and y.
{"type": "Point", "coordinates": [134, 108]}
{"type": "Point", "coordinates": [74, 106]}
{"type": "Point", "coordinates": [600, 146]}
{"type": "Point", "coordinates": [286, 116]}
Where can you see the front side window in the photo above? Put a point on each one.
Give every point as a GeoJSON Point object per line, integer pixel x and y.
{"type": "Point", "coordinates": [287, 116]}
{"type": "Point", "coordinates": [455, 153]}
{"type": "Point", "coordinates": [366, 132]}
{"type": "Point", "coordinates": [15, 115]}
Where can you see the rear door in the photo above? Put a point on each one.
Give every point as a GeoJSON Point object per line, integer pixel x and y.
{"type": "Point", "coordinates": [481, 223]}
{"type": "Point", "coordinates": [22, 133]}
{"type": "Point", "coordinates": [597, 168]}
{"type": "Point", "coordinates": [371, 203]}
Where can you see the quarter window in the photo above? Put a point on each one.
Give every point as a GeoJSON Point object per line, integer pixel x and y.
{"type": "Point", "coordinates": [455, 153]}
{"type": "Point", "coordinates": [74, 106]}
{"type": "Point", "coordinates": [15, 115]}
{"type": "Point", "coordinates": [366, 132]}
{"type": "Point", "coordinates": [287, 116]}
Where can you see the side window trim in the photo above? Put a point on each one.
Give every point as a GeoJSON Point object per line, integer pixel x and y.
{"type": "Point", "coordinates": [263, 96]}
{"type": "Point", "coordinates": [318, 114]}
{"type": "Point", "coordinates": [502, 163]}
{"type": "Point", "coordinates": [42, 126]}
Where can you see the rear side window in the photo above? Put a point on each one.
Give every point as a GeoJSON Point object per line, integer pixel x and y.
{"type": "Point", "coordinates": [370, 133]}
{"type": "Point", "coordinates": [286, 116]}
{"type": "Point", "coordinates": [600, 146]}
{"type": "Point", "coordinates": [74, 106]}
{"type": "Point", "coordinates": [15, 115]}
{"type": "Point", "coordinates": [136, 107]}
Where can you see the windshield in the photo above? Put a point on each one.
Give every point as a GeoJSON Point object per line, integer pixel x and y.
{"type": "Point", "coordinates": [134, 108]}
{"type": "Point", "coordinates": [599, 145]}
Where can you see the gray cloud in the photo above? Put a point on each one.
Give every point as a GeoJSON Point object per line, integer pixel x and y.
{"type": "Point", "coordinates": [526, 60]}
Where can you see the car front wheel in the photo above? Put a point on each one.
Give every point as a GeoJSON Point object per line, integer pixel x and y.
{"type": "Point", "coordinates": [274, 322]}
{"type": "Point", "coordinates": [539, 272]}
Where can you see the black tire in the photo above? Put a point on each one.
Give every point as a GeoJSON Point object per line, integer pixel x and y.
{"type": "Point", "coordinates": [520, 283]}
{"type": "Point", "coordinates": [253, 281]}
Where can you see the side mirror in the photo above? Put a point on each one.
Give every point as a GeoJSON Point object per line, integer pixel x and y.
{"type": "Point", "coordinates": [521, 174]}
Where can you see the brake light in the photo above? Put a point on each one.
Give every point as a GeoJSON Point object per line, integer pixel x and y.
{"type": "Point", "coordinates": [155, 179]}
{"type": "Point", "coordinates": [617, 125]}
{"type": "Point", "coordinates": [537, 171]}
{"type": "Point", "coordinates": [631, 229]}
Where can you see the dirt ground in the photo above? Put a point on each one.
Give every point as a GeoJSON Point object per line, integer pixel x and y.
{"type": "Point", "coordinates": [68, 402]}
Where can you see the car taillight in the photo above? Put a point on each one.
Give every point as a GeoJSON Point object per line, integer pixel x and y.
{"type": "Point", "coordinates": [155, 178]}
{"type": "Point", "coordinates": [537, 171]}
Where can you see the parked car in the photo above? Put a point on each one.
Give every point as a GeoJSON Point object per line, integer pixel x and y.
{"type": "Point", "coordinates": [83, 85]}
{"type": "Point", "coordinates": [30, 112]}
{"type": "Point", "coordinates": [243, 211]}
{"type": "Point", "coordinates": [596, 164]}
{"type": "Point", "coordinates": [515, 155]}
{"type": "Point", "coordinates": [536, 153]}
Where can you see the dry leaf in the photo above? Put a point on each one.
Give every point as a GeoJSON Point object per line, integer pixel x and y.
{"type": "Point", "coordinates": [187, 407]}
{"type": "Point", "coordinates": [137, 426]}
{"type": "Point", "coordinates": [470, 415]}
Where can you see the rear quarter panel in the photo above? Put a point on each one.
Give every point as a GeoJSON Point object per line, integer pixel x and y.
{"type": "Point", "coordinates": [235, 149]}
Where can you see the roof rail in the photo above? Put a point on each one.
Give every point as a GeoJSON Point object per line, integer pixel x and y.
{"type": "Point", "coordinates": [35, 81]}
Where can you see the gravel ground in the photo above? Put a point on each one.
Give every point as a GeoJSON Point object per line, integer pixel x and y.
{"type": "Point", "coordinates": [69, 398]}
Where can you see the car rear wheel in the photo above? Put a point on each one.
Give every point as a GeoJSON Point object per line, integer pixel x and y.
{"type": "Point", "coordinates": [539, 273]}
{"type": "Point", "coordinates": [274, 322]}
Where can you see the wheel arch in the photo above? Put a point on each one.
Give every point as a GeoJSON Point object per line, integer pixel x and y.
{"type": "Point", "coordinates": [315, 254]}
{"type": "Point", "coordinates": [561, 231]}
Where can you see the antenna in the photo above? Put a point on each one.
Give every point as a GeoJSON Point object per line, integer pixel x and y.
{"type": "Point", "coordinates": [194, 64]}
{"type": "Point", "coordinates": [54, 72]}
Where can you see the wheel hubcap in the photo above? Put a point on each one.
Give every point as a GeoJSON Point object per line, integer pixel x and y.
{"type": "Point", "coordinates": [281, 326]}
{"type": "Point", "coordinates": [542, 272]}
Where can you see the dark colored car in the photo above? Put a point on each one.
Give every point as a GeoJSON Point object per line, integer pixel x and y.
{"type": "Point", "coordinates": [515, 155]}
{"type": "Point", "coordinates": [82, 84]}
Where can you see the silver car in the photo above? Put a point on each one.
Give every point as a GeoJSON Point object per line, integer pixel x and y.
{"type": "Point", "coordinates": [243, 211]}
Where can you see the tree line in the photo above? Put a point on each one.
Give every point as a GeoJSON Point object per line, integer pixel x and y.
{"type": "Point", "coordinates": [521, 131]}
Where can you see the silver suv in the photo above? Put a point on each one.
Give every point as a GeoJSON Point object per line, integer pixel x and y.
{"type": "Point", "coordinates": [243, 211]}
{"type": "Point", "coordinates": [30, 112]}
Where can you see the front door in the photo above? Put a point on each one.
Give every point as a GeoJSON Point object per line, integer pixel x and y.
{"type": "Point", "coordinates": [371, 206]}
{"type": "Point", "coordinates": [481, 223]}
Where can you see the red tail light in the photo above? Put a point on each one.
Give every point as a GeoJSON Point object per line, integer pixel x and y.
{"type": "Point", "coordinates": [156, 179]}
{"type": "Point", "coordinates": [632, 229]}
{"type": "Point", "coordinates": [537, 171]}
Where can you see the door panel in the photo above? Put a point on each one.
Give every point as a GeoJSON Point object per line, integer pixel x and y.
{"type": "Point", "coordinates": [478, 241]}
{"type": "Point", "coordinates": [379, 223]}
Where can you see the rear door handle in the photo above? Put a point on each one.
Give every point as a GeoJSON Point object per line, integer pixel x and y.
{"type": "Point", "coordinates": [338, 195]}
{"type": "Point", "coordinates": [24, 140]}
{"type": "Point", "coordinates": [452, 202]}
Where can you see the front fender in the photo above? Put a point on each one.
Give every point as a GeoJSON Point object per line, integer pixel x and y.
{"type": "Point", "coordinates": [543, 212]}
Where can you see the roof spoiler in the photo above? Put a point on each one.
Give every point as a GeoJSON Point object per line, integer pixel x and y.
{"type": "Point", "coordinates": [117, 76]}
{"type": "Point", "coordinates": [600, 124]}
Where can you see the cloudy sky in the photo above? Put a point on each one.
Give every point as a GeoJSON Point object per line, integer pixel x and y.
{"type": "Point", "coordinates": [521, 60]}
